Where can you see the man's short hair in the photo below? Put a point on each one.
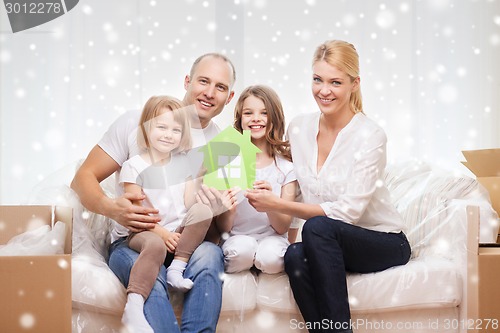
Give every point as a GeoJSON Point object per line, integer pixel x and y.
{"type": "Point", "coordinates": [215, 55]}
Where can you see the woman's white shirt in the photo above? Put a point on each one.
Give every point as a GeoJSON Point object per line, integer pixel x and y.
{"type": "Point", "coordinates": [350, 185]}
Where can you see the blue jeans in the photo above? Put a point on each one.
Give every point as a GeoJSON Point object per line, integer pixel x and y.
{"type": "Point", "coordinates": [202, 304]}
{"type": "Point", "coordinates": [317, 267]}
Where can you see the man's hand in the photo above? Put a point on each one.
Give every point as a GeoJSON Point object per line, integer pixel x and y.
{"type": "Point", "coordinates": [217, 201]}
{"type": "Point", "coordinates": [133, 217]}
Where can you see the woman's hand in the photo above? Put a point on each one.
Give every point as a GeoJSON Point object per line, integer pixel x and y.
{"type": "Point", "coordinates": [262, 200]}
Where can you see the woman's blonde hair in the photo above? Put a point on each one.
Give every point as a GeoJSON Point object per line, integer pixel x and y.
{"type": "Point", "coordinates": [275, 128]}
{"type": "Point", "coordinates": [343, 56]}
{"type": "Point", "coordinates": [154, 107]}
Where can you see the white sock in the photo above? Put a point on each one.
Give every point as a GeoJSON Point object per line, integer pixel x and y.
{"type": "Point", "coordinates": [175, 279]}
{"type": "Point", "coordinates": [133, 316]}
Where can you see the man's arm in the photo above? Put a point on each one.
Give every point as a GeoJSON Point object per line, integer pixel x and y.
{"type": "Point", "coordinates": [98, 166]}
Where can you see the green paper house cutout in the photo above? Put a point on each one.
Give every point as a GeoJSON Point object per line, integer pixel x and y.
{"type": "Point", "coordinates": [230, 159]}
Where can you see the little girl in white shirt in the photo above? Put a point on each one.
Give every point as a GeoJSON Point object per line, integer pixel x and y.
{"type": "Point", "coordinates": [257, 238]}
{"type": "Point", "coordinates": [160, 172]}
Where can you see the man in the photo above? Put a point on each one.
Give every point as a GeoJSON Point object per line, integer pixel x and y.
{"type": "Point", "coordinates": [209, 88]}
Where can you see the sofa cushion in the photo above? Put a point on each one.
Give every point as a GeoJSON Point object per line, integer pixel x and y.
{"type": "Point", "coordinates": [274, 293]}
{"type": "Point", "coordinates": [422, 283]}
{"type": "Point", "coordinates": [239, 292]}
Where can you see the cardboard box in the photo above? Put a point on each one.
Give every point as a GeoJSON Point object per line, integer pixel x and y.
{"type": "Point", "coordinates": [485, 164]}
{"type": "Point", "coordinates": [483, 269]}
{"type": "Point", "coordinates": [488, 273]}
{"type": "Point", "coordinates": [35, 291]}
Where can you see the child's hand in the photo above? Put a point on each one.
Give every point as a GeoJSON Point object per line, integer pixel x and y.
{"type": "Point", "coordinates": [171, 240]}
{"type": "Point", "coordinates": [228, 198]}
{"type": "Point", "coordinates": [262, 185]}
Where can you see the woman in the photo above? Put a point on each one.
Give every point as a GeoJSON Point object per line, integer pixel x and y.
{"type": "Point", "coordinates": [339, 156]}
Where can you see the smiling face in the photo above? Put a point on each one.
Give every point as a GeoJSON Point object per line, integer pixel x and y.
{"type": "Point", "coordinates": [165, 134]}
{"type": "Point", "coordinates": [332, 89]}
{"type": "Point", "coordinates": [208, 88]}
{"type": "Point", "coordinates": [254, 117]}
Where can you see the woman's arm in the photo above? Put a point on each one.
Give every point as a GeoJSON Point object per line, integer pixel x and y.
{"type": "Point", "coordinates": [280, 222]}
{"type": "Point", "coordinates": [263, 201]}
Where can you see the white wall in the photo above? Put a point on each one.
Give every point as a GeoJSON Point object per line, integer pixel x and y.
{"type": "Point", "coordinates": [430, 71]}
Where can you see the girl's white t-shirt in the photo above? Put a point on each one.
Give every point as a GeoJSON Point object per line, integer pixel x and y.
{"type": "Point", "coordinates": [247, 220]}
{"type": "Point", "coordinates": [120, 143]}
{"type": "Point", "coordinates": [163, 186]}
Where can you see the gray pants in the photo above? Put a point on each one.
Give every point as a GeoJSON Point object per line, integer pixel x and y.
{"type": "Point", "coordinates": [153, 251]}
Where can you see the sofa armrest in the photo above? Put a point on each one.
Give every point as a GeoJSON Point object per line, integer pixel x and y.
{"type": "Point", "coordinates": [443, 232]}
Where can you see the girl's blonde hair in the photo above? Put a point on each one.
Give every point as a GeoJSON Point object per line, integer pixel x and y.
{"type": "Point", "coordinates": [343, 56]}
{"type": "Point", "coordinates": [275, 128]}
{"type": "Point", "coordinates": [154, 107]}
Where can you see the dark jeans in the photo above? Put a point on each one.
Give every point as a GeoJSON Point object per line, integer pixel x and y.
{"type": "Point", "coordinates": [317, 267]}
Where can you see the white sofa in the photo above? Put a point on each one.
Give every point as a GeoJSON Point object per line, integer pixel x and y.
{"type": "Point", "coordinates": [426, 295]}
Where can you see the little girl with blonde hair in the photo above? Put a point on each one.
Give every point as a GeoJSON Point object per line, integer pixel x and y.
{"type": "Point", "coordinates": [164, 137]}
